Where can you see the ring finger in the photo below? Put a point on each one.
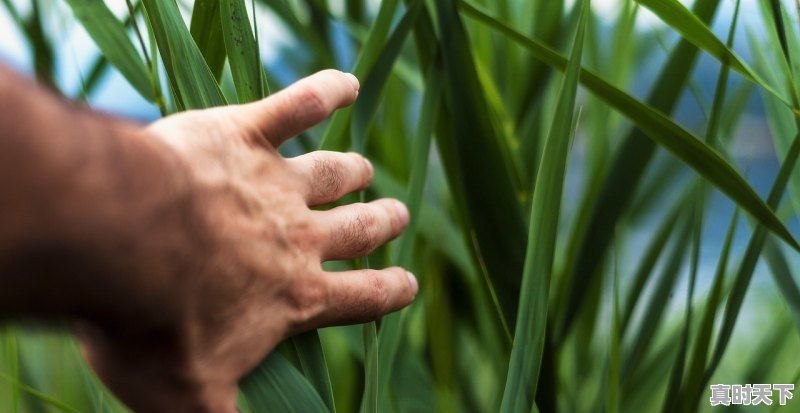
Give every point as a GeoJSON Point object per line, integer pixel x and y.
{"type": "Point", "coordinates": [355, 230]}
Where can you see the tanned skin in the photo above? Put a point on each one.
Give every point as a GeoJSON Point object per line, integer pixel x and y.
{"type": "Point", "coordinates": [185, 250]}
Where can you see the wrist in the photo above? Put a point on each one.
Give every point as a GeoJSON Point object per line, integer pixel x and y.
{"type": "Point", "coordinates": [136, 234]}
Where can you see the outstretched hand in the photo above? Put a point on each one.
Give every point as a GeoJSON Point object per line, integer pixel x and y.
{"type": "Point", "coordinates": [242, 269]}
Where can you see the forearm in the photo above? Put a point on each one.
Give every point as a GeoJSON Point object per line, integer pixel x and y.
{"type": "Point", "coordinates": [83, 197]}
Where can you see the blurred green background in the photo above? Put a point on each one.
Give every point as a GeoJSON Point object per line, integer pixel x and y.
{"type": "Point", "coordinates": [597, 190]}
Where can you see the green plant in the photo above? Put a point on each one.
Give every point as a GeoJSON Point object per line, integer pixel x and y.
{"type": "Point", "coordinates": [535, 292]}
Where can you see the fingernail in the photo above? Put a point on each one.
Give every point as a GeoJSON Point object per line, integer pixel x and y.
{"type": "Point", "coordinates": [402, 212]}
{"type": "Point", "coordinates": [353, 80]}
{"type": "Point", "coordinates": [370, 168]}
{"type": "Point", "coordinates": [412, 282]}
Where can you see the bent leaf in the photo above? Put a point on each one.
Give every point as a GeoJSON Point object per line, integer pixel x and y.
{"type": "Point", "coordinates": [110, 35]}
{"type": "Point", "coordinates": [660, 129]}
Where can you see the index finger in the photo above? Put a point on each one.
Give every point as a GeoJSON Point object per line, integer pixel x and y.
{"type": "Point", "coordinates": [300, 106]}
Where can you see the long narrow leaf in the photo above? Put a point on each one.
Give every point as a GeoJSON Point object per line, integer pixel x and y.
{"type": "Point", "coordinates": [530, 331]}
{"type": "Point", "coordinates": [242, 51]}
{"type": "Point", "coordinates": [368, 98]}
{"type": "Point", "coordinates": [749, 261]}
{"type": "Point", "coordinates": [276, 386]}
{"type": "Point", "coordinates": [190, 78]}
{"type": "Point", "coordinates": [369, 401]}
{"type": "Point", "coordinates": [782, 274]}
{"type": "Point", "coordinates": [660, 129]}
{"type": "Point", "coordinates": [335, 137]}
{"type": "Point", "coordinates": [311, 356]}
{"type": "Point", "coordinates": [476, 169]}
{"type": "Point", "coordinates": [392, 325]}
{"type": "Point", "coordinates": [111, 36]}
{"type": "Point", "coordinates": [694, 30]}
{"type": "Point", "coordinates": [697, 362]}
{"type": "Point", "coordinates": [206, 30]}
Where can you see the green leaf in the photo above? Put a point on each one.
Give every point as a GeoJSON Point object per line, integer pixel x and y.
{"type": "Point", "coordinates": [782, 122]}
{"type": "Point", "coordinates": [782, 274]}
{"type": "Point", "coordinates": [660, 129]}
{"type": "Point", "coordinates": [476, 169]}
{"type": "Point", "coordinates": [370, 93]}
{"type": "Point", "coordinates": [636, 153]}
{"type": "Point", "coordinates": [242, 50]}
{"type": "Point", "coordinates": [190, 78]}
{"type": "Point", "coordinates": [612, 402]}
{"type": "Point", "coordinates": [391, 330]}
{"type": "Point", "coordinates": [335, 137]}
{"type": "Point", "coordinates": [311, 356]}
{"type": "Point", "coordinates": [693, 388]}
{"type": "Point", "coordinates": [647, 261]}
{"type": "Point", "coordinates": [277, 386]}
{"type": "Point", "coordinates": [749, 261]}
{"type": "Point", "coordinates": [697, 32]}
{"type": "Point", "coordinates": [654, 310]}
{"type": "Point", "coordinates": [111, 36]}
{"type": "Point", "coordinates": [529, 337]}
{"type": "Point", "coordinates": [38, 395]}
{"type": "Point", "coordinates": [206, 30]}
{"type": "Point", "coordinates": [369, 400]}
{"type": "Point", "coordinates": [671, 400]}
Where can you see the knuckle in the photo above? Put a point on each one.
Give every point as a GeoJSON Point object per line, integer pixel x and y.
{"type": "Point", "coordinates": [304, 233]}
{"type": "Point", "coordinates": [365, 171]}
{"type": "Point", "coordinates": [328, 176]}
{"type": "Point", "coordinates": [309, 99]}
{"type": "Point", "coordinates": [307, 297]}
{"type": "Point", "coordinates": [379, 293]}
{"type": "Point", "coordinates": [361, 234]}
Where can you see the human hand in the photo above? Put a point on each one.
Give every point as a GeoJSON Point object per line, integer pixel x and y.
{"type": "Point", "coordinates": [241, 270]}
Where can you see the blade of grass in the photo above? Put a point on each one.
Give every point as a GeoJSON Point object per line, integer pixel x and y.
{"type": "Point", "coordinates": [14, 14]}
{"type": "Point", "coordinates": [671, 399]}
{"type": "Point", "coordinates": [654, 311]}
{"type": "Point", "coordinates": [257, 52]}
{"type": "Point", "coordinates": [381, 66]}
{"type": "Point", "coordinates": [782, 274]}
{"type": "Point", "coordinates": [697, 32]}
{"type": "Point", "coordinates": [277, 386]}
{"type": "Point", "coordinates": [549, 16]}
{"type": "Point", "coordinates": [613, 399]}
{"type": "Point", "coordinates": [392, 326]}
{"type": "Point", "coordinates": [648, 261]}
{"type": "Point", "coordinates": [206, 30]}
{"type": "Point", "coordinates": [476, 170]}
{"type": "Point", "coordinates": [44, 57]}
{"type": "Point", "coordinates": [111, 36]}
{"type": "Point", "coordinates": [369, 400]}
{"type": "Point", "coordinates": [369, 96]}
{"type": "Point", "coordinates": [38, 395]}
{"type": "Point", "coordinates": [659, 128]}
{"type": "Point", "coordinates": [190, 78]}
{"type": "Point", "coordinates": [748, 264]}
{"type": "Point", "coordinates": [636, 153]}
{"type": "Point", "coordinates": [12, 355]}
{"type": "Point", "coordinates": [311, 357]}
{"type": "Point", "coordinates": [100, 66]}
{"type": "Point", "coordinates": [242, 50]}
{"type": "Point", "coordinates": [782, 123]}
{"type": "Point", "coordinates": [335, 137]}
{"type": "Point", "coordinates": [693, 388]}
{"type": "Point", "coordinates": [531, 328]}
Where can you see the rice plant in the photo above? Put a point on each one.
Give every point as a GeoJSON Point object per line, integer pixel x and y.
{"type": "Point", "coordinates": [604, 203]}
